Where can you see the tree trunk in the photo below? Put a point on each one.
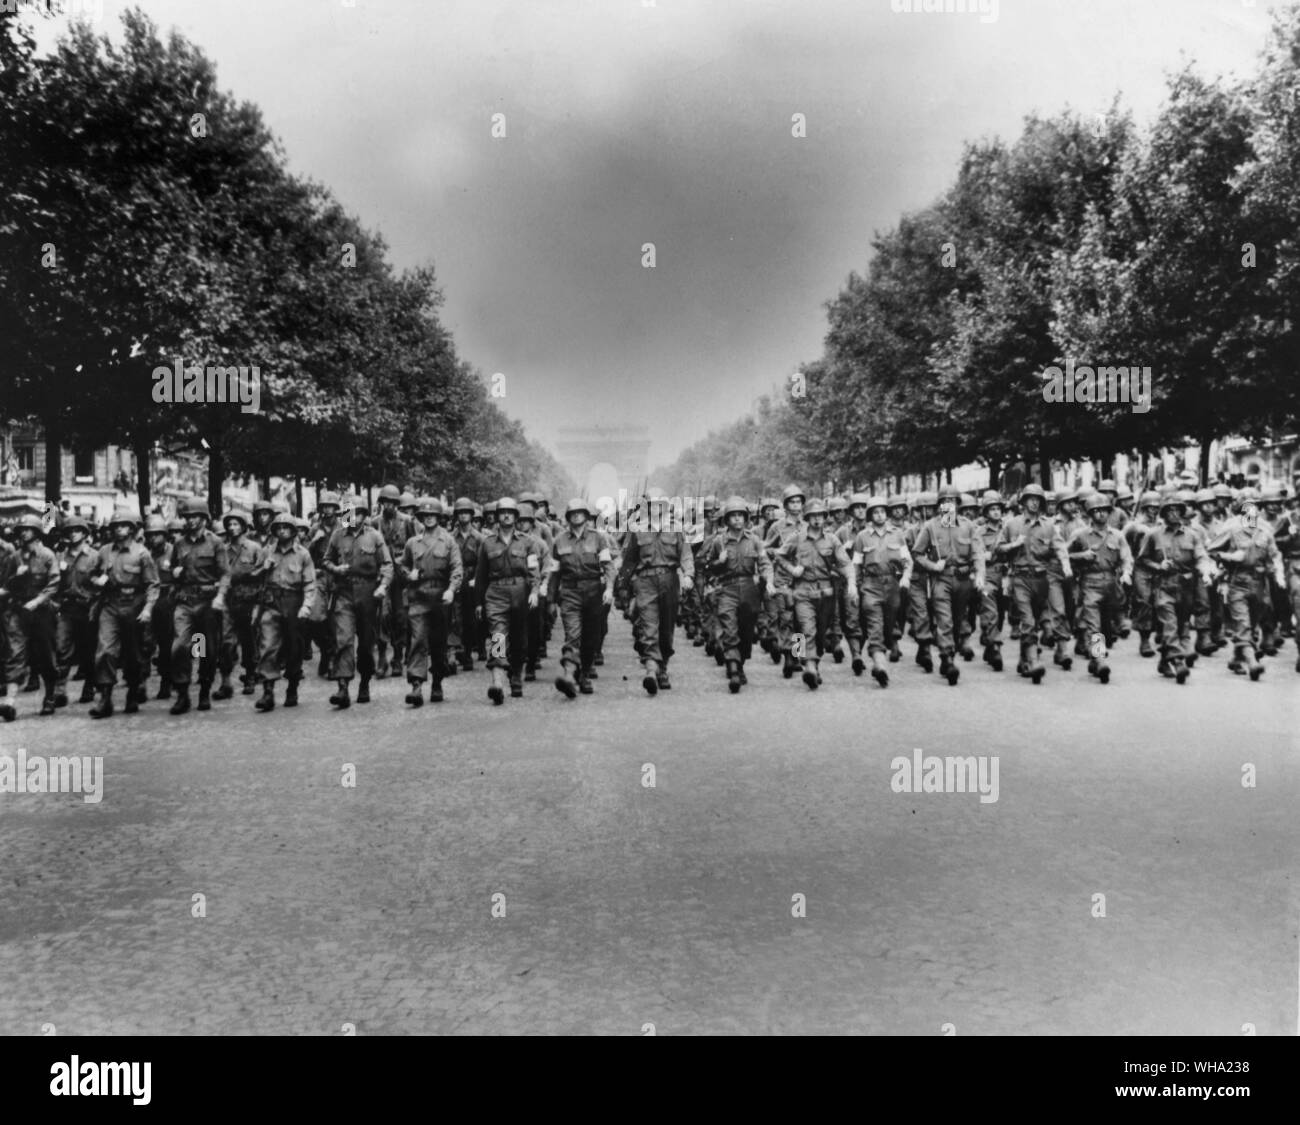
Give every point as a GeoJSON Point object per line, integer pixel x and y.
{"type": "Point", "coordinates": [53, 459]}
{"type": "Point", "coordinates": [297, 495]}
{"type": "Point", "coordinates": [1206, 441]}
{"type": "Point", "coordinates": [264, 486]}
{"type": "Point", "coordinates": [216, 475]}
{"type": "Point", "coordinates": [1044, 469]}
{"type": "Point", "coordinates": [143, 473]}
{"type": "Point", "coordinates": [995, 472]}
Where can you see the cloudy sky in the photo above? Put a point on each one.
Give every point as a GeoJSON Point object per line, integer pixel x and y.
{"type": "Point", "coordinates": [668, 122]}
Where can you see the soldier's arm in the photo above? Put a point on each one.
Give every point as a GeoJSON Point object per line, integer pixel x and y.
{"type": "Point", "coordinates": [223, 568]}
{"type": "Point", "coordinates": [1125, 560]}
{"type": "Point", "coordinates": [51, 587]}
{"type": "Point", "coordinates": [480, 575]}
{"type": "Point", "coordinates": [919, 548]}
{"type": "Point", "coordinates": [309, 589]}
{"type": "Point", "coordinates": [457, 567]}
{"type": "Point", "coordinates": [845, 564]}
{"type": "Point", "coordinates": [152, 585]}
{"type": "Point", "coordinates": [765, 569]}
{"type": "Point", "coordinates": [1058, 546]}
{"type": "Point", "coordinates": [385, 568]}
{"type": "Point", "coordinates": [608, 568]}
{"type": "Point", "coordinates": [981, 557]}
{"type": "Point", "coordinates": [687, 560]}
{"type": "Point", "coordinates": [905, 579]}
{"type": "Point", "coordinates": [631, 556]}
{"type": "Point", "coordinates": [1076, 548]}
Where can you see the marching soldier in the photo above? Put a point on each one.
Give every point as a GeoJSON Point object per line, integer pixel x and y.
{"type": "Point", "coordinates": [201, 572]}
{"type": "Point", "coordinates": [1100, 556]}
{"type": "Point", "coordinates": [1174, 553]}
{"type": "Point", "coordinates": [260, 531]}
{"type": "Point", "coordinates": [158, 633]}
{"type": "Point", "coordinates": [287, 592]}
{"type": "Point", "coordinates": [811, 556]}
{"type": "Point", "coordinates": [582, 585]}
{"type": "Point", "coordinates": [883, 563]}
{"type": "Point", "coordinates": [653, 557]}
{"type": "Point", "coordinates": [507, 579]}
{"type": "Point", "coordinates": [1209, 595]}
{"type": "Point", "coordinates": [468, 540]}
{"type": "Point", "coordinates": [778, 531]}
{"type": "Point", "coordinates": [434, 570]}
{"type": "Point", "coordinates": [29, 615]}
{"type": "Point", "coordinates": [127, 577]}
{"type": "Point", "coordinates": [397, 529]}
{"type": "Point", "coordinates": [1142, 598]}
{"type": "Point", "coordinates": [1287, 537]}
{"type": "Point", "coordinates": [949, 547]}
{"type": "Point", "coordinates": [736, 559]}
{"type": "Point", "coordinates": [238, 645]}
{"type": "Point", "coordinates": [996, 576]}
{"type": "Point", "coordinates": [851, 623]}
{"type": "Point", "coordinates": [75, 641]}
{"type": "Point", "coordinates": [1029, 544]}
{"type": "Point", "coordinates": [526, 524]}
{"type": "Point", "coordinates": [1248, 550]}
{"type": "Point", "coordinates": [321, 626]}
{"type": "Point", "coordinates": [358, 559]}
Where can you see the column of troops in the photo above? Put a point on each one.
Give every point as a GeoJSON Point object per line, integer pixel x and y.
{"type": "Point", "coordinates": [418, 592]}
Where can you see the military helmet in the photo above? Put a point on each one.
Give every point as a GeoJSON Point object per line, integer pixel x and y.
{"type": "Point", "coordinates": [282, 518]}
{"type": "Point", "coordinates": [876, 502]}
{"type": "Point", "coordinates": [240, 515]}
{"type": "Point", "coordinates": [505, 504]}
{"type": "Point", "coordinates": [577, 504]}
{"type": "Point", "coordinates": [428, 504]}
{"type": "Point", "coordinates": [33, 523]}
{"type": "Point", "coordinates": [1108, 485]}
{"type": "Point", "coordinates": [1149, 499]}
{"type": "Point", "coordinates": [328, 499]}
{"type": "Point", "coordinates": [990, 498]}
{"type": "Point", "coordinates": [194, 507]}
{"type": "Point", "coordinates": [153, 524]}
{"type": "Point", "coordinates": [175, 524]}
{"type": "Point", "coordinates": [1186, 496]}
{"type": "Point", "coordinates": [899, 502]}
{"type": "Point", "coordinates": [1273, 494]}
{"type": "Point", "coordinates": [1205, 496]}
{"type": "Point", "coordinates": [263, 506]}
{"type": "Point", "coordinates": [1098, 501]}
{"type": "Point", "coordinates": [927, 499]}
{"type": "Point", "coordinates": [76, 523]}
{"type": "Point", "coordinates": [755, 511]}
{"type": "Point", "coordinates": [1222, 492]}
{"type": "Point", "coordinates": [1248, 495]}
{"type": "Point", "coordinates": [948, 492]}
{"type": "Point", "coordinates": [463, 504]}
{"type": "Point", "coordinates": [768, 502]}
{"type": "Point", "coordinates": [1032, 490]}
{"type": "Point", "coordinates": [858, 499]}
{"type": "Point", "coordinates": [1122, 494]}
{"type": "Point", "coordinates": [526, 510]}
{"type": "Point", "coordinates": [1174, 499]}
{"type": "Point", "coordinates": [838, 504]}
{"type": "Point", "coordinates": [709, 504]}
{"type": "Point", "coordinates": [125, 515]}
{"type": "Point", "coordinates": [527, 498]}
{"type": "Point", "coordinates": [357, 503]}
{"type": "Point", "coordinates": [1065, 495]}
{"type": "Point", "coordinates": [790, 492]}
{"type": "Point", "coordinates": [815, 507]}
{"type": "Point", "coordinates": [735, 504]}
{"type": "Point", "coordinates": [390, 492]}
{"type": "Point", "coordinates": [490, 508]}
{"type": "Point", "coordinates": [406, 500]}
{"type": "Point", "coordinates": [967, 501]}
{"type": "Point", "coordinates": [1050, 497]}
{"type": "Point", "coordinates": [302, 523]}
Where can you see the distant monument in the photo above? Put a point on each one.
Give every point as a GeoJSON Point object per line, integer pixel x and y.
{"type": "Point", "coordinates": [602, 460]}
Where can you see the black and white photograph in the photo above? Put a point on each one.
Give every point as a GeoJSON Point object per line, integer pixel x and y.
{"type": "Point", "coordinates": [650, 518]}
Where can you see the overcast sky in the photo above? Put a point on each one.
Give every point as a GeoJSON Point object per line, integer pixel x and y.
{"type": "Point", "coordinates": [629, 122]}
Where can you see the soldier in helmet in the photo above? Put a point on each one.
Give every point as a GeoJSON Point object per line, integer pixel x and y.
{"type": "Point", "coordinates": [1029, 544]}
{"type": "Point", "coordinates": [320, 625]}
{"type": "Point", "coordinates": [397, 529]}
{"type": "Point", "coordinates": [74, 639]}
{"type": "Point", "coordinates": [1101, 559]}
{"type": "Point", "coordinates": [737, 561]}
{"type": "Point", "coordinates": [1248, 550]}
{"type": "Point", "coordinates": [654, 555]}
{"type": "Point", "coordinates": [201, 571]}
{"type": "Point", "coordinates": [992, 597]}
{"type": "Point", "coordinates": [1174, 553]}
{"type": "Point", "coordinates": [1142, 599]}
{"type": "Point", "coordinates": [582, 585]}
{"type": "Point", "coordinates": [810, 557]}
{"type": "Point", "coordinates": [778, 531]}
{"type": "Point", "coordinates": [850, 622]}
{"type": "Point", "coordinates": [238, 645]}
{"type": "Point", "coordinates": [286, 594]}
{"type": "Point", "coordinates": [434, 570]}
{"type": "Point", "coordinates": [883, 563]}
{"type": "Point", "coordinates": [526, 524]}
{"type": "Point", "coordinates": [1287, 537]}
{"type": "Point", "coordinates": [127, 576]}
{"type": "Point", "coordinates": [1209, 595]}
{"type": "Point", "coordinates": [362, 567]}
{"type": "Point", "coordinates": [507, 579]}
{"type": "Point", "coordinates": [260, 531]}
{"type": "Point", "coordinates": [949, 548]}
{"type": "Point", "coordinates": [463, 638]}
{"type": "Point", "coordinates": [158, 633]}
{"type": "Point", "coordinates": [29, 615]}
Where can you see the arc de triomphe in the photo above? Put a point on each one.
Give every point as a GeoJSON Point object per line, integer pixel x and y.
{"type": "Point", "coordinates": [603, 460]}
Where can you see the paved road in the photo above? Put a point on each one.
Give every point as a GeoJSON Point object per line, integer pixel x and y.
{"type": "Point", "coordinates": [672, 905]}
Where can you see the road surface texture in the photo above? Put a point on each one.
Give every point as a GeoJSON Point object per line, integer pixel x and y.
{"type": "Point", "coordinates": [627, 904]}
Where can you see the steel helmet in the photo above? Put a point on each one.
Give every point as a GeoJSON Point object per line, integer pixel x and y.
{"type": "Point", "coordinates": [858, 499]}
{"type": "Point", "coordinates": [120, 515]}
{"type": "Point", "coordinates": [505, 504]}
{"type": "Point", "coordinates": [302, 523]}
{"type": "Point", "coordinates": [175, 524]}
{"type": "Point", "coordinates": [768, 502]}
{"type": "Point", "coordinates": [263, 506]}
{"type": "Point", "coordinates": [1032, 490]}
{"type": "Point", "coordinates": [710, 504]}
{"type": "Point", "coordinates": [790, 492]}
{"type": "Point", "coordinates": [34, 523]}
{"type": "Point", "coordinates": [876, 502]}
{"type": "Point", "coordinates": [329, 500]}
{"type": "Point", "coordinates": [815, 507]}
{"type": "Point", "coordinates": [195, 507]}
{"type": "Point", "coordinates": [154, 524]}
{"type": "Point", "coordinates": [1123, 494]}
{"type": "Point", "coordinates": [838, 504]}
{"type": "Point", "coordinates": [927, 499]}
{"type": "Point", "coordinates": [754, 511]}
{"type": "Point", "coordinates": [899, 502]}
{"type": "Point", "coordinates": [390, 492]}
{"type": "Point", "coordinates": [948, 492]}
{"type": "Point", "coordinates": [1186, 496]}
{"type": "Point", "coordinates": [1222, 492]}
{"type": "Point", "coordinates": [1273, 494]}
{"type": "Point", "coordinates": [990, 498]}
{"type": "Point", "coordinates": [463, 504]}
{"type": "Point", "coordinates": [1248, 495]}
{"type": "Point", "coordinates": [406, 500]}
{"type": "Point", "coordinates": [428, 504]}
{"type": "Point", "coordinates": [735, 504]}
{"type": "Point", "coordinates": [526, 510]}
{"type": "Point", "coordinates": [1098, 501]}
{"type": "Point", "coordinates": [490, 508]}
{"type": "Point", "coordinates": [1050, 497]}
{"type": "Point", "coordinates": [1205, 496]}
{"type": "Point", "coordinates": [577, 504]}
{"type": "Point", "coordinates": [282, 518]}
{"type": "Point", "coordinates": [1149, 499]}
{"type": "Point", "coordinates": [240, 515]}
{"type": "Point", "coordinates": [1108, 486]}
{"type": "Point", "coordinates": [359, 504]}
{"type": "Point", "coordinates": [76, 523]}
{"type": "Point", "coordinates": [967, 501]}
{"type": "Point", "coordinates": [1174, 500]}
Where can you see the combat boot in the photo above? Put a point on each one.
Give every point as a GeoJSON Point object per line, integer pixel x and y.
{"type": "Point", "coordinates": [132, 704]}
{"type": "Point", "coordinates": [1181, 671]}
{"type": "Point", "coordinates": [7, 712]}
{"type": "Point", "coordinates": [516, 684]}
{"type": "Point", "coordinates": [967, 653]}
{"type": "Point", "coordinates": [205, 697]}
{"type": "Point", "coordinates": [1145, 649]}
{"type": "Point", "coordinates": [923, 657]}
{"type": "Point", "coordinates": [182, 701]}
{"type": "Point", "coordinates": [1080, 644]}
{"type": "Point", "coordinates": [341, 698]}
{"type": "Point", "coordinates": [584, 682]}
{"type": "Point", "coordinates": [1030, 666]}
{"type": "Point", "coordinates": [662, 677]}
{"type": "Point", "coordinates": [564, 682]}
{"type": "Point", "coordinates": [496, 690]}
{"type": "Point", "coordinates": [855, 650]}
{"type": "Point", "coordinates": [47, 705]}
{"type": "Point", "coordinates": [398, 665]}
{"type": "Point", "coordinates": [878, 671]}
{"type": "Point", "coordinates": [650, 681]}
{"type": "Point", "coordinates": [104, 707]}
{"type": "Point", "coordinates": [948, 668]}
{"type": "Point", "coordinates": [88, 690]}
{"type": "Point", "coordinates": [250, 685]}
{"type": "Point", "coordinates": [164, 689]}
{"type": "Point", "coordinates": [33, 682]}
{"type": "Point", "coordinates": [1062, 655]}
{"type": "Point", "coordinates": [733, 677]}
{"type": "Point", "coordinates": [291, 694]}
{"type": "Point", "coordinates": [810, 676]}
{"type": "Point", "coordinates": [435, 689]}
{"type": "Point", "coordinates": [363, 692]}
{"type": "Point", "coordinates": [323, 668]}
{"type": "Point", "coordinates": [1253, 666]}
{"type": "Point", "coordinates": [837, 653]}
{"type": "Point", "coordinates": [995, 656]}
{"type": "Point", "coordinates": [1204, 644]}
{"type": "Point", "coordinates": [465, 659]}
{"type": "Point", "coordinates": [530, 673]}
{"type": "Point", "coordinates": [895, 653]}
{"type": "Point", "coordinates": [267, 702]}
{"type": "Point", "coordinates": [381, 669]}
{"type": "Point", "coordinates": [225, 691]}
